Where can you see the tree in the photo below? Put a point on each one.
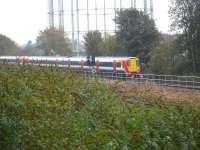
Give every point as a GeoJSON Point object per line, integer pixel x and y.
{"type": "Point", "coordinates": [54, 42]}
{"type": "Point", "coordinates": [162, 58]}
{"type": "Point", "coordinates": [110, 45]}
{"type": "Point", "coordinates": [30, 49]}
{"type": "Point", "coordinates": [93, 43]}
{"type": "Point", "coordinates": [166, 58]}
{"type": "Point", "coordinates": [186, 19]}
{"type": "Point", "coordinates": [8, 46]}
{"type": "Point", "coordinates": [137, 33]}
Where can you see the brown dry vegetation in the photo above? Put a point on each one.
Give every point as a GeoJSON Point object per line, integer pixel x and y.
{"type": "Point", "coordinates": [166, 94]}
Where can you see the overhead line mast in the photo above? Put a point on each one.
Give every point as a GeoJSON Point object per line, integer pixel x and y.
{"type": "Point", "coordinates": [135, 5]}
{"type": "Point", "coordinates": [78, 28]}
{"type": "Point", "coordinates": [72, 23]}
{"type": "Point", "coordinates": [145, 7]}
{"type": "Point", "coordinates": [61, 15]}
{"type": "Point", "coordinates": [51, 13]}
{"type": "Point", "coordinates": [151, 9]}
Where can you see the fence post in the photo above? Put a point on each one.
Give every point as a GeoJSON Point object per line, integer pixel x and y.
{"type": "Point", "coordinates": [69, 63]}
{"type": "Point", "coordinates": [114, 70]}
{"type": "Point", "coordinates": [82, 65]}
{"type": "Point", "coordinates": [46, 63]}
{"type": "Point", "coordinates": [97, 66]}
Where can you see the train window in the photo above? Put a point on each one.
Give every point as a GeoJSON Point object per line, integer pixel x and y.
{"type": "Point", "coordinates": [109, 64]}
{"type": "Point", "coordinates": [119, 65]}
{"type": "Point", "coordinates": [76, 63]}
{"type": "Point", "coordinates": [106, 64]}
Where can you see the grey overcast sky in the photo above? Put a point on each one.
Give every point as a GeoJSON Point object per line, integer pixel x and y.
{"type": "Point", "coordinates": [21, 20]}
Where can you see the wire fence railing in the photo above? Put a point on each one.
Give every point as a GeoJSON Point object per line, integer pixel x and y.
{"type": "Point", "coordinates": [187, 82]}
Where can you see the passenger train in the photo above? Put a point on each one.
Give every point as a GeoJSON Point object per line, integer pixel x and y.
{"type": "Point", "coordinates": [128, 65]}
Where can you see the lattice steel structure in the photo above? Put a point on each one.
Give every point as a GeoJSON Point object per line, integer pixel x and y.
{"type": "Point", "coordinates": [77, 17]}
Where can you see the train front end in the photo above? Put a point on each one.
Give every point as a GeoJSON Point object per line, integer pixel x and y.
{"type": "Point", "coordinates": [134, 65]}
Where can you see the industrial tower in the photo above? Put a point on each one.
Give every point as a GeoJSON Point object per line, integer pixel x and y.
{"type": "Point", "coordinates": [76, 14]}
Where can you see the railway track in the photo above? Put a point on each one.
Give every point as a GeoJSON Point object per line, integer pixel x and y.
{"type": "Point", "coordinates": [186, 82]}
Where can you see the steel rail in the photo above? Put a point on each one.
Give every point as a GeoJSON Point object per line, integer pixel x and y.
{"type": "Point", "coordinates": [185, 82]}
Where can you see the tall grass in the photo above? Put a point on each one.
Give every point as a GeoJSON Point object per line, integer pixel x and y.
{"type": "Point", "coordinates": [44, 108]}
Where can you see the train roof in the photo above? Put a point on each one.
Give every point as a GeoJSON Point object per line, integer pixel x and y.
{"type": "Point", "coordinates": [58, 58]}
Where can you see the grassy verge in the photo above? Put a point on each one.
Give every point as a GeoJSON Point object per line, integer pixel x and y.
{"type": "Point", "coordinates": [54, 109]}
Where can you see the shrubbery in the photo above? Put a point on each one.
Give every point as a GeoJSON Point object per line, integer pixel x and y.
{"type": "Point", "coordinates": [56, 109]}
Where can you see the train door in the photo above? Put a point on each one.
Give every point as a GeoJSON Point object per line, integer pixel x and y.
{"type": "Point", "coordinates": [132, 64]}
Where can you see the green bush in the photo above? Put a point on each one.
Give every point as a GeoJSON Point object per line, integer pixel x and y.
{"type": "Point", "coordinates": [50, 108]}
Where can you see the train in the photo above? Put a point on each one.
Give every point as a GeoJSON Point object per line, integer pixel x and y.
{"type": "Point", "coordinates": [128, 65]}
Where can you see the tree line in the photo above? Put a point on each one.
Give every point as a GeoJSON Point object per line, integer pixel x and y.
{"type": "Point", "coordinates": [137, 35]}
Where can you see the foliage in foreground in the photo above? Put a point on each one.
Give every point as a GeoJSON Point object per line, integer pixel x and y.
{"type": "Point", "coordinates": [54, 109]}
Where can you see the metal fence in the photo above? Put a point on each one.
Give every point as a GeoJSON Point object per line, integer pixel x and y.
{"type": "Point", "coordinates": [187, 82]}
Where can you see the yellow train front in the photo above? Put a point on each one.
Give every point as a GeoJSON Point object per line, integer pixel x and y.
{"type": "Point", "coordinates": [128, 65]}
{"type": "Point", "coordinates": [134, 65]}
{"type": "Point", "coordinates": [131, 66]}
